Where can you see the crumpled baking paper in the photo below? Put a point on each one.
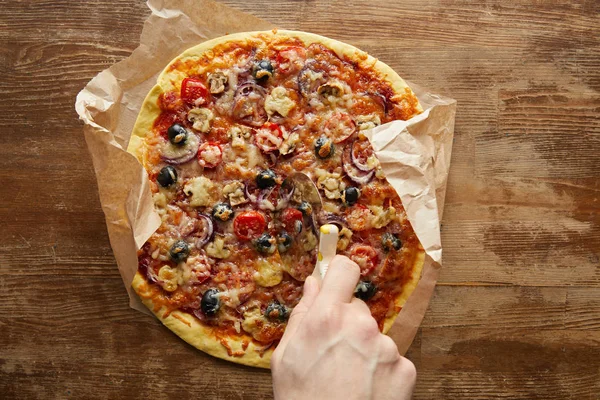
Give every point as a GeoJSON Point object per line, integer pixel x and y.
{"type": "Point", "coordinates": [414, 154]}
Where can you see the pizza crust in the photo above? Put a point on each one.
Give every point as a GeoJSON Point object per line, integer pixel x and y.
{"type": "Point", "coordinates": [192, 331]}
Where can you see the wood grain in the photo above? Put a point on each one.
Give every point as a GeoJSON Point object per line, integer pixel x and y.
{"type": "Point", "coordinates": [516, 314]}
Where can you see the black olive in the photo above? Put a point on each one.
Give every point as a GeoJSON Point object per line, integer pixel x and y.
{"type": "Point", "coordinates": [262, 70]}
{"type": "Point", "coordinates": [365, 290]}
{"type": "Point", "coordinates": [222, 212]}
{"type": "Point", "coordinates": [284, 242]}
{"type": "Point", "coordinates": [265, 244]}
{"type": "Point", "coordinates": [210, 303]}
{"type": "Point", "coordinates": [350, 195]}
{"type": "Point", "coordinates": [277, 312]}
{"type": "Point", "coordinates": [167, 176]}
{"type": "Point", "coordinates": [266, 178]}
{"type": "Point", "coordinates": [390, 241]}
{"type": "Point", "coordinates": [177, 134]}
{"type": "Point", "coordinates": [323, 147]}
{"type": "Point", "coordinates": [305, 208]}
{"type": "Point", "coordinates": [179, 251]}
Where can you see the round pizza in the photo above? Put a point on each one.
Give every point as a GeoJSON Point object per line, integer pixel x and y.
{"type": "Point", "coordinates": [227, 122]}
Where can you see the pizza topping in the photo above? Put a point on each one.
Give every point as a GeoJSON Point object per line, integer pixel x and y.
{"type": "Point", "coordinates": [362, 156]}
{"type": "Point", "coordinates": [365, 256]}
{"type": "Point", "coordinates": [331, 89]}
{"type": "Point", "coordinates": [202, 191]}
{"type": "Point", "coordinates": [210, 302]}
{"type": "Point", "coordinates": [359, 218]}
{"type": "Point", "coordinates": [269, 137]}
{"type": "Point", "coordinates": [382, 216]}
{"type": "Point", "coordinates": [168, 278]}
{"type": "Point", "coordinates": [207, 231]}
{"type": "Point", "coordinates": [266, 178]}
{"type": "Point", "coordinates": [284, 242]}
{"type": "Point", "coordinates": [265, 244]}
{"type": "Point", "coordinates": [248, 104]}
{"type": "Point", "coordinates": [249, 225]}
{"type": "Point", "coordinates": [291, 220]}
{"type": "Point", "coordinates": [305, 208]}
{"type": "Point", "coordinates": [309, 78]}
{"type": "Point", "coordinates": [277, 312]}
{"type": "Point", "coordinates": [179, 251]}
{"type": "Point", "coordinates": [210, 154]}
{"type": "Point", "coordinates": [222, 212]}
{"type": "Point", "coordinates": [390, 241]}
{"type": "Point", "coordinates": [331, 183]}
{"type": "Point", "coordinates": [308, 241]}
{"type": "Point", "coordinates": [278, 102]}
{"type": "Point", "coordinates": [324, 147]}
{"type": "Point", "coordinates": [167, 176]}
{"type": "Point", "coordinates": [177, 134]}
{"type": "Point", "coordinates": [218, 249]}
{"type": "Point", "coordinates": [194, 92]}
{"type": "Point", "coordinates": [238, 136]}
{"type": "Point", "coordinates": [290, 58]}
{"type": "Point", "coordinates": [180, 154]}
{"type": "Point", "coordinates": [235, 192]}
{"type": "Point", "coordinates": [355, 174]}
{"type": "Point", "coordinates": [268, 273]}
{"type": "Point", "coordinates": [262, 70]}
{"type": "Point", "coordinates": [365, 122]}
{"type": "Point", "coordinates": [365, 290]}
{"type": "Point", "coordinates": [350, 195]}
{"type": "Point", "coordinates": [290, 140]}
{"type": "Point", "coordinates": [340, 127]}
{"type": "Point", "coordinates": [216, 82]}
{"type": "Point", "coordinates": [200, 118]}
{"type": "Point", "coordinates": [344, 238]}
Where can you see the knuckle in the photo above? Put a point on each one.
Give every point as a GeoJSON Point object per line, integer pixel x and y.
{"type": "Point", "coordinates": [367, 326]}
{"type": "Point", "coordinates": [407, 369]}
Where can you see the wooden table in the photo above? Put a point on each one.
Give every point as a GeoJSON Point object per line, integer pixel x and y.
{"type": "Point", "coordinates": [517, 311]}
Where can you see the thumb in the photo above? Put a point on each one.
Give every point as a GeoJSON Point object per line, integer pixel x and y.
{"type": "Point", "coordinates": [311, 290]}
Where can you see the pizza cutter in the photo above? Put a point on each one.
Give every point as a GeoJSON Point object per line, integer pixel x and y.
{"type": "Point", "coordinates": [328, 233]}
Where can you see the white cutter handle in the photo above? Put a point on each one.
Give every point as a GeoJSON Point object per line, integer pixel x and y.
{"type": "Point", "coordinates": [328, 239]}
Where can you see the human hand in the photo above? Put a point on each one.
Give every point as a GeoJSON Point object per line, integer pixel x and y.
{"type": "Point", "coordinates": [332, 348]}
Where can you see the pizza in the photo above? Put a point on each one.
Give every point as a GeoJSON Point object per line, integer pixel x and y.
{"type": "Point", "coordinates": [226, 123]}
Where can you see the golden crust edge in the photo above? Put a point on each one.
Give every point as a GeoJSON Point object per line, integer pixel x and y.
{"type": "Point", "coordinates": [202, 337]}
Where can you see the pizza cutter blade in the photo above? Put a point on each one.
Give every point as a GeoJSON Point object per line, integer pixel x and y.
{"type": "Point", "coordinates": [328, 233]}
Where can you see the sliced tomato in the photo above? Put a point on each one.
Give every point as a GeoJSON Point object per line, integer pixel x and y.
{"type": "Point", "coordinates": [269, 137]}
{"type": "Point", "coordinates": [290, 57]}
{"type": "Point", "coordinates": [361, 151]}
{"type": "Point", "coordinates": [249, 225]}
{"type": "Point", "coordinates": [291, 218]}
{"type": "Point", "coordinates": [340, 127]}
{"type": "Point", "coordinates": [194, 92]}
{"type": "Point", "coordinates": [164, 121]}
{"type": "Point", "coordinates": [210, 154]}
{"type": "Point", "coordinates": [365, 256]}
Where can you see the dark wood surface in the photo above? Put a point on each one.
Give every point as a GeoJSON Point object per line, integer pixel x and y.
{"type": "Point", "coordinates": [516, 314]}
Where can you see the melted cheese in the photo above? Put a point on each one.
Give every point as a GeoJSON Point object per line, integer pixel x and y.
{"type": "Point", "coordinates": [235, 193]}
{"type": "Point", "coordinates": [382, 217]}
{"type": "Point", "coordinates": [201, 118]}
{"type": "Point", "coordinates": [253, 321]}
{"type": "Point", "coordinates": [344, 239]}
{"type": "Point", "coordinates": [201, 191]}
{"type": "Point", "coordinates": [218, 249]}
{"type": "Point", "coordinates": [268, 273]}
{"type": "Point", "coordinates": [331, 183]}
{"type": "Point", "coordinates": [278, 102]}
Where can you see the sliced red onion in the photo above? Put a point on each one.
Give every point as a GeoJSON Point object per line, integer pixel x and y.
{"type": "Point", "coordinates": [285, 195]}
{"type": "Point", "coordinates": [355, 175]}
{"type": "Point", "coordinates": [262, 201]}
{"type": "Point", "coordinates": [330, 218]}
{"type": "Point", "coordinates": [207, 232]}
{"type": "Point", "coordinates": [176, 155]}
{"type": "Point", "coordinates": [249, 196]}
{"type": "Point", "coordinates": [272, 160]}
{"type": "Point", "coordinates": [354, 159]}
{"type": "Point", "coordinates": [379, 98]}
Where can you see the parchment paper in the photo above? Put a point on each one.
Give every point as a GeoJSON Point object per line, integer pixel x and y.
{"type": "Point", "coordinates": [415, 154]}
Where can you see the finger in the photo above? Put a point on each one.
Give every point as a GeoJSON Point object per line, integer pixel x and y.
{"type": "Point", "coordinates": [360, 306]}
{"type": "Point", "coordinates": [388, 350]}
{"type": "Point", "coordinates": [309, 294]}
{"type": "Point", "coordinates": [340, 281]}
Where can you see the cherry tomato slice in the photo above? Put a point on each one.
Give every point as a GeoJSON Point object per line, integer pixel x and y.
{"type": "Point", "coordinates": [249, 225]}
{"type": "Point", "coordinates": [289, 57]}
{"type": "Point", "coordinates": [340, 127]}
{"type": "Point", "coordinates": [291, 218]}
{"type": "Point", "coordinates": [210, 154]}
{"type": "Point", "coordinates": [269, 137]}
{"type": "Point", "coordinates": [365, 256]}
{"type": "Point", "coordinates": [194, 92]}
